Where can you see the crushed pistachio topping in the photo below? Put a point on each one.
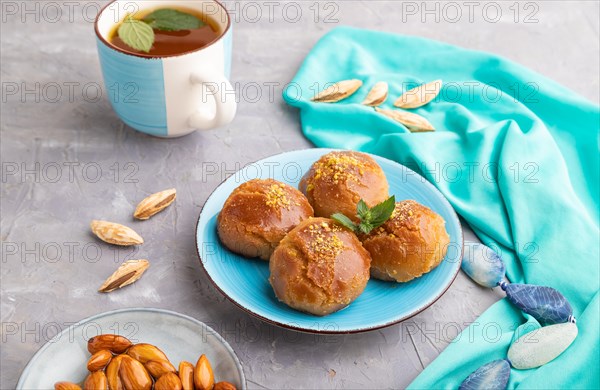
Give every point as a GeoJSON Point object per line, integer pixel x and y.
{"type": "Point", "coordinates": [323, 244]}
{"type": "Point", "coordinates": [276, 197]}
{"type": "Point", "coordinates": [402, 213]}
{"type": "Point", "coordinates": [395, 212]}
{"type": "Point", "coordinates": [338, 167]}
{"type": "Point", "coordinates": [402, 210]}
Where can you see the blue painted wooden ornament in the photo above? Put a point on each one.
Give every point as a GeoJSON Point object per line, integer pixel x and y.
{"type": "Point", "coordinates": [493, 376]}
{"type": "Point", "coordinates": [483, 265]}
{"type": "Point", "coordinates": [545, 304]}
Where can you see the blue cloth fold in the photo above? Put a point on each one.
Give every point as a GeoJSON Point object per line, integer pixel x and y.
{"type": "Point", "coordinates": [515, 153]}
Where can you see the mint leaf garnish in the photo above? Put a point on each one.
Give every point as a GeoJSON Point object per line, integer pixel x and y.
{"type": "Point", "coordinates": [136, 34]}
{"type": "Point", "coordinates": [362, 210]}
{"type": "Point", "coordinates": [344, 221]}
{"type": "Point", "coordinates": [172, 20]}
{"type": "Point", "coordinates": [370, 218]}
{"type": "Point", "coordinates": [365, 227]}
{"type": "Point", "coordinates": [382, 212]}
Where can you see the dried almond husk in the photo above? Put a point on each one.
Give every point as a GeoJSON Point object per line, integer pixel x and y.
{"type": "Point", "coordinates": [127, 273]}
{"type": "Point", "coordinates": [415, 123]}
{"type": "Point", "coordinates": [115, 233]}
{"type": "Point", "coordinates": [338, 91]}
{"type": "Point", "coordinates": [377, 95]}
{"type": "Point", "coordinates": [419, 96]}
{"type": "Point", "coordinates": [155, 203]}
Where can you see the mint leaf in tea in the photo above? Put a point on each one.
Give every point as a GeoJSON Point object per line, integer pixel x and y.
{"type": "Point", "coordinates": [172, 20]}
{"type": "Point", "coordinates": [165, 32]}
{"type": "Point", "coordinates": [136, 34]}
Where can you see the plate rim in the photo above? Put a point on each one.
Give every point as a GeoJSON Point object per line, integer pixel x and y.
{"type": "Point", "coordinates": [331, 332]}
{"type": "Point", "coordinates": [47, 344]}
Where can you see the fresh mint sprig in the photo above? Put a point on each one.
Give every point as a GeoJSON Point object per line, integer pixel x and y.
{"type": "Point", "coordinates": [139, 34]}
{"type": "Point", "coordinates": [370, 217]}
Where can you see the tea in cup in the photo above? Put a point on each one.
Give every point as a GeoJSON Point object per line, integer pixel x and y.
{"type": "Point", "coordinates": [166, 64]}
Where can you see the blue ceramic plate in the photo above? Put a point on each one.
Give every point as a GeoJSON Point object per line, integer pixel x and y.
{"type": "Point", "coordinates": [180, 337]}
{"type": "Point", "coordinates": [245, 281]}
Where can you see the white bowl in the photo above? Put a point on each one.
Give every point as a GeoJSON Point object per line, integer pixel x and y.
{"type": "Point", "coordinates": [179, 336]}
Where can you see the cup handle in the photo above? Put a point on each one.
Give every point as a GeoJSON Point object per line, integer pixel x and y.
{"type": "Point", "coordinates": [224, 97]}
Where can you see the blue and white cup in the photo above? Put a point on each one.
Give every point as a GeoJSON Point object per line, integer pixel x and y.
{"type": "Point", "coordinates": [168, 96]}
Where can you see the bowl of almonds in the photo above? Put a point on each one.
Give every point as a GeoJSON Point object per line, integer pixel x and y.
{"type": "Point", "coordinates": [135, 349]}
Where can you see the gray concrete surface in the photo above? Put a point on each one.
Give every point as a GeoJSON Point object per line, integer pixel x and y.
{"type": "Point", "coordinates": [68, 160]}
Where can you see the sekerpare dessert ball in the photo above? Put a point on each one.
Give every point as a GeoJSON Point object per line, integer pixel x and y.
{"type": "Point", "coordinates": [258, 214]}
{"type": "Point", "coordinates": [339, 180]}
{"type": "Point", "coordinates": [319, 267]}
{"type": "Point", "coordinates": [409, 244]}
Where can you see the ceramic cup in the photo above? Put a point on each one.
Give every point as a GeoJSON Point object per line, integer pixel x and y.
{"type": "Point", "coordinates": [168, 96]}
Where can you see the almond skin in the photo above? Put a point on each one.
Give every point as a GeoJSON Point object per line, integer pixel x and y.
{"type": "Point", "coordinates": [112, 373]}
{"type": "Point", "coordinates": [66, 386]}
{"type": "Point", "coordinates": [96, 381]}
{"type": "Point", "coordinates": [157, 368]}
{"type": "Point", "coordinates": [168, 381]}
{"type": "Point", "coordinates": [224, 386]}
{"type": "Point", "coordinates": [114, 343]}
{"type": "Point", "coordinates": [115, 233]}
{"type": "Point", "coordinates": [99, 360]}
{"type": "Point", "coordinates": [186, 374]}
{"type": "Point", "coordinates": [145, 352]}
{"type": "Point", "coordinates": [204, 379]}
{"type": "Point", "coordinates": [133, 374]}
